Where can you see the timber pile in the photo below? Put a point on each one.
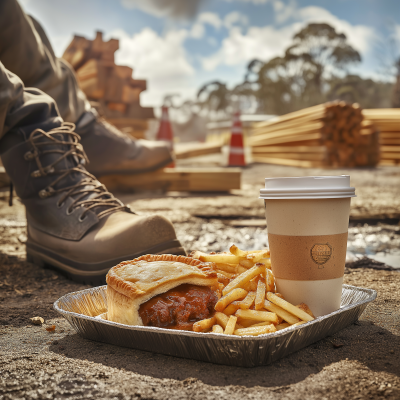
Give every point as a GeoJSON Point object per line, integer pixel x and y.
{"type": "Point", "coordinates": [387, 121]}
{"type": "Point", "coordinates": [177, 179]}
{"type": "Point", "coordinates": [327, 135]}
{"type": "Point", "coordinates": [110, 86]}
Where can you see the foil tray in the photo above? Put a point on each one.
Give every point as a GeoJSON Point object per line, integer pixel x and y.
{"type": "Point", "coordinates": [81, 309]}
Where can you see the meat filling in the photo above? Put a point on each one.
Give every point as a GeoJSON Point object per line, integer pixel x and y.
{"type": "Point", "coordinates": [179, 308]}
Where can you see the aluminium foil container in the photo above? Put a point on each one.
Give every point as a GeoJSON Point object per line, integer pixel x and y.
{"type": "Point", "coordinates": [81, 309]}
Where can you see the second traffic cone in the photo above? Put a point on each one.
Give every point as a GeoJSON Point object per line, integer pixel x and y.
{"type": "Point", "coordinates": [236, 149]}
{"type": "Point", "coordinates": [165, 132]}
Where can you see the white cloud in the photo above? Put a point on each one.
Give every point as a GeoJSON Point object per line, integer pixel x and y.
{"type": "Point", "coordinates": [271, 41]}
{"type": "Point", "coordinates": [235, 18]}
{"type": "Point", "coordinates": [210, 18]}
{"type": "Point", "coordinates": [362, 37]}
{"type": "Point", "coordinates": [162, 60]}
{"type": "Point", "coordinates": [166, 8]}
{"type": "Point", "coordinates": [239, 48]}
{"type": "Point", "coordinates": [197, 31]}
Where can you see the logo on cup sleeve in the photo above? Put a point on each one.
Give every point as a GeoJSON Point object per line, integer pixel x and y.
{"type": "Point", "coordinates": [321, 253]}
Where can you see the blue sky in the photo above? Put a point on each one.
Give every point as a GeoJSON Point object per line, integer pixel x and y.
{"type": "Point", "coordinates": [178, 45]}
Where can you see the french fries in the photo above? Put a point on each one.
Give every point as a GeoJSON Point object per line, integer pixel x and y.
{"type": "Point", "coordinates": [262, 324]}
{"type": "Point", "coordinates": [222, 279]}
{"type": "Point", "coordinates": [251, 286]}
{"type": "Point", "coordinates": [270, 281]}
{"type": "Point", "coordinates": [280, 312]}
{"type": "Point", "coordinates": [221, 319]}
{"type": "Point", "coordinates": [231, 268]}
{"type": "Point", "coordinates": [255, 331]}
{"type": "Point", "coordinates": [248, 301]}
{"type": "Point", "coordinates": [230, 326]}
{"type": "Point", "coordinates": [232, 308]}
{"type": "Point", "coordinates": [237, 252]}
{"type": "Point", "coordinates": [284, 325]}
{"type": "Point", "coordinates": [259, 316]}
{"type": "Point", "coordinates": [273, 298]}
{"type": "Point", "coordinates": [299, 323]}
{"type": "Point", "coordinates": [244, 278]}
{"type": "Point", "coordinates": [227, 274]}
{"type": "Point", "coordinates": [245, 263]}
{"type": "Point", "coordinates": [248, 304]}
{"type": "Point", "coordinates": [220, 258]}
{"type": "Point", "coordinates": [256, 257]}
{"type": "Point", "coordinates": [204, 325]}
{"type": "Point", "coordinates": [304, 307]}
{"type": "Point", "coordinates": [260, 295]}
{"type": "Point", "coordinates": [217, 329]}
{"type": "Point", "coordinates": [235, 294]}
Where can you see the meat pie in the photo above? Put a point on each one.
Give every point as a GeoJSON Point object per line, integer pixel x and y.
{"type": "Point", "coordinates": [165, 291]}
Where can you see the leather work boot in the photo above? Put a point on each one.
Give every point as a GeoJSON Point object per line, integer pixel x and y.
{"type": "Point", "coordinates": [74, 223]}
{"type": "Point", "coordinates": [110, 151]}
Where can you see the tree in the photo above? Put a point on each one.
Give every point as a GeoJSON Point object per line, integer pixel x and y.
{"type": "Point", "coordinates": [215, 97]}
{"type": "Point", "coordinates": [299, 78]}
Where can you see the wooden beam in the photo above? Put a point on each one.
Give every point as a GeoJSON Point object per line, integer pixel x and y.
{"type": "Point", "coordinates": [292, 156]}
{"type": "Point", "coordinates": [177, 179]}
{"type": "Point", "coordinates": [292, 163]}
{"type": "Point", "coordinates": [289, 139]}
{"type": "Point", "coordinates": [197, 149]}
{"type": "Point", "coordinates": [300, 129]}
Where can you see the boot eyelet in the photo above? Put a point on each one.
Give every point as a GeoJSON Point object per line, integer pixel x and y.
{"type": "Point", "coordinates": [80, 219]}
{"type": "Point", "coordinates": [59, 205]}
{"type": "Point", "coordinates": [69, 212]}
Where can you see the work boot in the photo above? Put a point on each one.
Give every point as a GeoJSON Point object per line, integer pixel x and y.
{"type": "Point", "coordinates": [74, 223]}
{"type": "Point", "coordinates": [110, 151]}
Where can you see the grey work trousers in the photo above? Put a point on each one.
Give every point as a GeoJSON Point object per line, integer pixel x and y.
{"type": "Point", "coordinates": [26, 53]}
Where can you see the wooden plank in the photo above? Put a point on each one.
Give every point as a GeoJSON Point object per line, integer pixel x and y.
{"type": "Point", "coordinates": [390, 149]}
{"type": "Point", "coordinates": [292, 163]}
{"type": "Point", "coordinates": [292, 156]}
{"type": "Point", "coordinates": [388, 142]}
{"type": "Point", "coordinates": [289, 149]}
{"type": "Point", "coordinates": [293, 124]}
{"type": "Point", "coordinates": [390, 156]}
{"type": "Point", "coordinates": [299, 129]}
{"type": "Point", "coordinates": [177, 179]}
{"type": "Point", "coordinates": [197, 149]}
{"type": "Point", "coordinates": [318, 111]}
{"type": "Point", "coordinates": [290, 139]}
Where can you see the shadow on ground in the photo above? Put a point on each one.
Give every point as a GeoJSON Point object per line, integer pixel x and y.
{"type": "Point", "coordinates": [374, 347]}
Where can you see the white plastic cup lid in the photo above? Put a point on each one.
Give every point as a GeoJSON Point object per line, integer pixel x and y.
{"type": "Point", "coordinates": [308, 187]}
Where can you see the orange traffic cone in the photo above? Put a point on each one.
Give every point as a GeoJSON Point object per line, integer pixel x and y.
{"type": "Point", "coordinates": [165, 132]}
{"type": "Point", "coordinates": [236, 150]}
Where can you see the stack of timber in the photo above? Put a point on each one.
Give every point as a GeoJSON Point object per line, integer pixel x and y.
{"type": "Point", "coordinates": [177, 179]}
{"type": "Point", "coordinates": [109, 86]}
{"type": "Point", "coordinates": [387, 121]}
{"type": "Point", "coordinates": [327, 135]}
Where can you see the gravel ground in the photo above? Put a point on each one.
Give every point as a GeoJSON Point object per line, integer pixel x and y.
{"type": "Point", "coordinates": [361, 361]}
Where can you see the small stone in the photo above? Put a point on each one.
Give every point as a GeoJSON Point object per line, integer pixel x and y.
{"type": "Point", "coordinates": [37, 320]}
{"type": "Point", "coordinates": [50, 328]}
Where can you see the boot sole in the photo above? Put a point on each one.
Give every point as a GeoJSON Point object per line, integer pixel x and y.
{"type": "Point", "coordinates": [91, 273]}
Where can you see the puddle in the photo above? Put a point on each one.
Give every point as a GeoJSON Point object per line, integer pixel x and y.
{"type": "Point", "coordinates": [380, 242]}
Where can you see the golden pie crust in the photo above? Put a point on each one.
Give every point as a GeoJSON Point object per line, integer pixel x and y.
{"type": "Point", "coordinates": [132, 283]}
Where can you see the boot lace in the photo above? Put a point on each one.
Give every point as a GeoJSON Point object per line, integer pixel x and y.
{"type": "Point", "coordinates": [89, 193]}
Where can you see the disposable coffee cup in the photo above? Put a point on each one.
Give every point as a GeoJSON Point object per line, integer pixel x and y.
{"type": "Point", "coordinates": [307, 222]}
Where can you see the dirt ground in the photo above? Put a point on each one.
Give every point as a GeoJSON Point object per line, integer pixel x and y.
{"type": "Point", "coordinates": [359, 362]}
